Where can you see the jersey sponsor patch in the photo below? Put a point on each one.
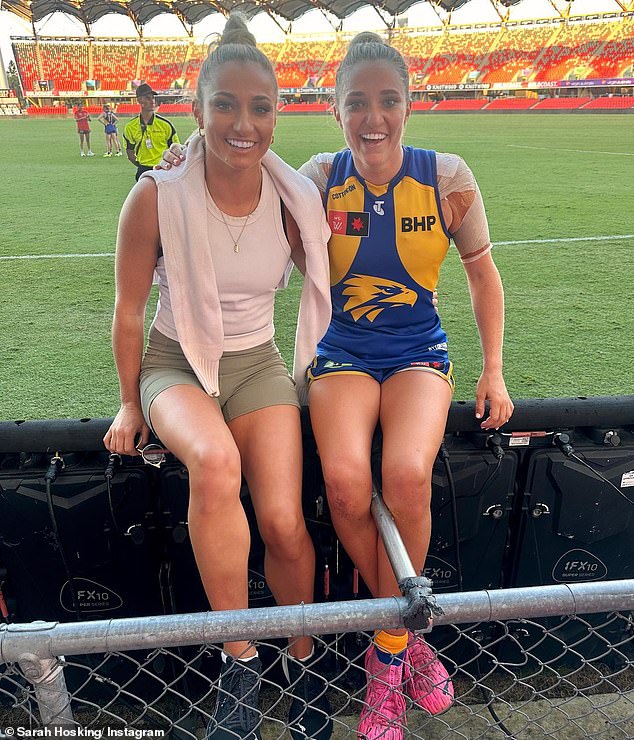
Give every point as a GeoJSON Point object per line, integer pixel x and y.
{"type": "Point", "coordinates": [349, 223]}
{"type": "Point", "coordinates": [434, 365]}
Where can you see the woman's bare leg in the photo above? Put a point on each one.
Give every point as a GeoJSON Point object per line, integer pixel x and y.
{"type": "Point", "coordinates": [270, 445]}
{"type": "Point", "coordinates": [191, 425]}
{"type": "Point", "coordinates": [344, 411]}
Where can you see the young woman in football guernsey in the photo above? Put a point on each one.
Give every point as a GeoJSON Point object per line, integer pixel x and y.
{"type": "Point", "coordinates": [393, 211]}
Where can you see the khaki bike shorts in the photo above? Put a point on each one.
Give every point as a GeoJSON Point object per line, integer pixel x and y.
{"type": "Point", "coordinates": [249, 379]}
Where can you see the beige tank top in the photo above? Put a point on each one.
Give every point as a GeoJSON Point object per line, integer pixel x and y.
{"type": "Point", "coordinates": [247, 279]}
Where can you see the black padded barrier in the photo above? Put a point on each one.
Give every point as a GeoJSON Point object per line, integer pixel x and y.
{"type": "Point", "coordinates": [510, 511]}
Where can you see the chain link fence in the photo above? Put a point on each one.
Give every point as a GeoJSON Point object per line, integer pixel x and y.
{"type": "Point", "coordinates": [552, 661]}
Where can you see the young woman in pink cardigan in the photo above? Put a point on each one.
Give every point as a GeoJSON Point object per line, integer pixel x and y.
{"type": "Point", "coordinates": [222, 233]}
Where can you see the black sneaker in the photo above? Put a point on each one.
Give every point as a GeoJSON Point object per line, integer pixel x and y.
{"type": "Point", "coordinates": [236, 714]}
{"type": "Point", "coordinates": [309, 714]}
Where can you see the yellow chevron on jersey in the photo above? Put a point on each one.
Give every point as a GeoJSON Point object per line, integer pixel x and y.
{"type": "Point", "coordinates": [421, 241]}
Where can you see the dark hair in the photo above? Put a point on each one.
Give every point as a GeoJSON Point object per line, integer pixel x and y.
{"type": "Point", "coordinates": [370, 47]}
{"type": "Point", "coordinates": [236, 44]}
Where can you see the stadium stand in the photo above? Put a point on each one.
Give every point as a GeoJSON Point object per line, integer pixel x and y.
{"type": "Point", "coordinates": [511, 104]}
{"type": "Point", "coordinates": [65, 63]}
{"type": "Point", "coordinates": [445, 105]}
{"type": "Point", "coordinates": [47, 110]}
{"type": "Point", "coordinates": [422, 105]}
{"type": "Point", "coordinates": [573, 43]}
{"type": "Point", "coordinates": [417, 49]}
{"type": "Point", "coordinates": [28, 64]}
{"type": "Point", "coordinates": [607, 103]}
{"type": "Point", "coordinates": [462, 54]}
{"type": "Point", "coordinates": [305, 107]}
{"type": "Point", "coordinates": [515, 53]}
{"type": "Point", "coordinates": [561, 103]}
{"type": "Point", "coordinates": [523, 54]}
{"type": "Point", "coordinates": [115, 63]}
{"type": "Point", "coordinates": [159, 73]}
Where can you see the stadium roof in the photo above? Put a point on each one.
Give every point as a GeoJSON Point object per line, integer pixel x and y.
{"type": "Point", "coordinates": [192, 11]}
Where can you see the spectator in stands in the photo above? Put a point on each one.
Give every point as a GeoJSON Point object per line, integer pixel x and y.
{"type": "Point", "coordinates": [83, 129]}
{"type": "Point", "coordinates": [147, 134]}
{"type": "Point", "coordinates": [109, 121]}
{"type": "Point", "coordinates": [393, 210]}
{"type": "Point", "coordinates": [212, 383]}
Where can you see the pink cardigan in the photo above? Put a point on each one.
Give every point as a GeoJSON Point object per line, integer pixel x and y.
{"type": "Point", "coordinates": [185, 240]}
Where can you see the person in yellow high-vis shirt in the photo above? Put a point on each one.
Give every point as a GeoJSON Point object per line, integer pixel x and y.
{"type": "Point", "coordinates": [148, 134]}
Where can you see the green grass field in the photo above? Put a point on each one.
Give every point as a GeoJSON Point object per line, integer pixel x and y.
{"type": "Point", "coordinates": [570, 302]}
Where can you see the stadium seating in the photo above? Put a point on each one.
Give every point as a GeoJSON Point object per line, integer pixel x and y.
{"type": "Point", "coordinates": [561, 103]}
{"type": "Point", "coordinates": [159, 73]}
{"type": "Point", "coordinates": [26, 59]}
{"type": "Point", "coordinates": [175, 108]}
{"type": "Point", "coordinates": [511, 104]}
{"type": "Point", "coordinates": [423, 105]}
{"type": "Point", "coordinates": [47, 110]}
{"type": "Point", "coordinates": [445, 105]}
{"type": "Point", "coordinates": [607, 103]}
{"type": "Point", "coordinates": [540, 51]}
{"type": "Point", "coordinates": [305, 107]}
{"type": "Point", "coordinates": [66, 63]}
{"type": "Point", "coordinates": [115, 64]}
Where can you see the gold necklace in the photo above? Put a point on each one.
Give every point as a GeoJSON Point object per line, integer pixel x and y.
{"type": "Point", "coordinates": [236, 242]}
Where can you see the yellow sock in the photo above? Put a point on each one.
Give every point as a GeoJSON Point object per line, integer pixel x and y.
{"type": "Point", "coordinates": [388, 643]}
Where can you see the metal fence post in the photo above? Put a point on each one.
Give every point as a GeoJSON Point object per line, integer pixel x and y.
{"type": "Point", "coordinates": [49, 683]}
{"type": "Point", "coordinates": [421, 604]}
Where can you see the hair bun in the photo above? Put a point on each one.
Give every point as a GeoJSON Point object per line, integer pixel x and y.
{"type": "Point", "coordinates": [236, 31]}
{"type": "Point", "coordinates": [366, 37]}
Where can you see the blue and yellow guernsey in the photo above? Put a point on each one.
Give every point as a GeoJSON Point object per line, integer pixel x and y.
{"type": "Point", "coordinates": [387, 245]}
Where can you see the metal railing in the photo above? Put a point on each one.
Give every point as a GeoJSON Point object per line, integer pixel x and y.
{"type": "Point", "coordinates": [548, 661]}
{"type": "Point", "coordinates": [518, 666]}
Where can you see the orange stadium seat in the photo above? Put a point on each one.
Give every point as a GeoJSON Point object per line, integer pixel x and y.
{"type": "Point", "coordinates": [511, 104]}
{"type": "Point", "coordinates": [460, 105]}
{"type": "Point", "coordinates": [561, 103]}
{"type": "Point", "coordinates": [607, 103]}
{"type": "Point", "coordinates": [506, 53]}
{"type": "Point", "coordinates": [25, 53]}
{"type": "Point", "coordinates": [115, 64]}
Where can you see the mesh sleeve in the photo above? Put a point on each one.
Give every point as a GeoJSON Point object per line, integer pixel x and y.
{"type": "Point", "coordinates": [470, 228]}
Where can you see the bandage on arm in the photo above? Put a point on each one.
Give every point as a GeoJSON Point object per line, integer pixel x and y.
{"type": "Point", "coordinates": [469, 228]}
{"type": "Point", "coordinates": [317, 169]}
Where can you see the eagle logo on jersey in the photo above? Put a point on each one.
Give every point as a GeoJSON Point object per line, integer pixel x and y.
{"type": "Point", "coordinates": [369, 296]}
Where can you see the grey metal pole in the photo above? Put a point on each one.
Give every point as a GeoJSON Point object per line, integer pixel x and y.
{"type": "Point", "coordinates": [392, 540]}
{"type": "Point", "coordinates": [53, 699]}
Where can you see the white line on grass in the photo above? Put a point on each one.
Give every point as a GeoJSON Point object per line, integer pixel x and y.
{"type": "Point", "coordinates": [55, 256]}
{"type": "Point", "coordinates": [568, 239]}
{"type": "Point", "coordinates": [565, 240]}
{"type": "Point", "coordinates": [579, 151]}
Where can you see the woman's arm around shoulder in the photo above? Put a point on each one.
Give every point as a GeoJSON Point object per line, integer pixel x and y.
{"type": "Point", "coordinates": [137, 251]}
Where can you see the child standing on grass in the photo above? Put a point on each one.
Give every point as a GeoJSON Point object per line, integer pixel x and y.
{"type": "Point", "coordinates": [83, 129]}
{"type": "Point", "coordinates": [109, 121]}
